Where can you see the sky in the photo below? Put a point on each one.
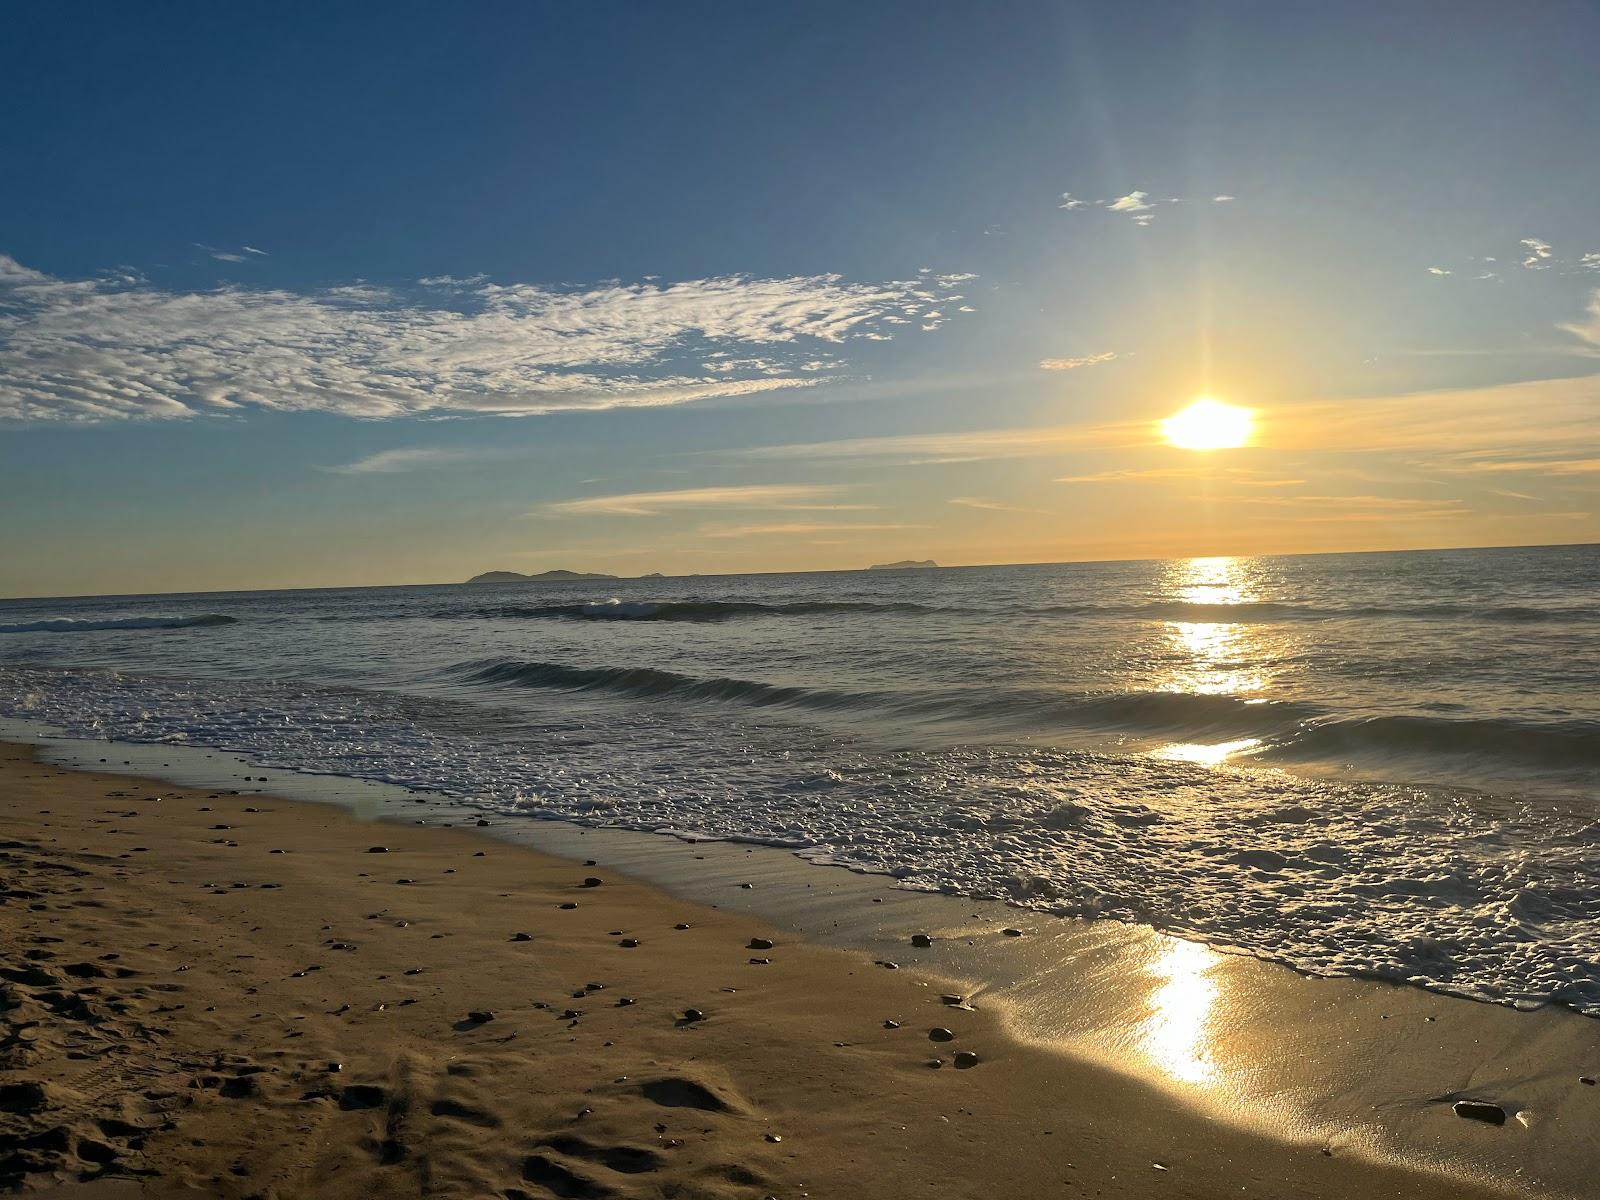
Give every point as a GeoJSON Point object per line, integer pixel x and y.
{"type": "Point", "coordinates": [338, 294]}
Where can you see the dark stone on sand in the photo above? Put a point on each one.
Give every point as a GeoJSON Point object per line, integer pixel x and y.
{"type": "Point", "coordinates": [1012, 932]}
{"type": "Point", "coordinates": [628, 943]}
{"type": "Point", "coordinates": [239, 1088]}
{"type": "Point", "coordinates": [23, 1097]}
{"type": "Point", "coordinates": [482, 824]}
{"type": "Point", "coordinates": [921, 940]}
{"type": "Point", "coordinates": [1586, 1079]}
{"type": "Point", "coordinates": [593, 881]}
{"type": "Point", "coordinates": [334, 1067]}
{"type": "Point", "coordinates": [891, 1024]}
{"type": "Point", "coordinates": [965, 1059]}
{"type": "Point", "coordinates": [693, 1014]}
{"type": "Point", "coordinates": [589, 862]}
{"type": "Point", "coordinates": [480, 1015]}
{"type": "Point", "coordinates": [940, 1034]}
{"type": "Point", "coordinates": [624, 1001]}
{"type": "Point", "coordinates": [522, 937]}
{"type": "Point", "coordinates": [569, 904]}
{"type": "Point", "coordinates": [405, 880]}
{"type": "Point", "coordinates": [747, 886]}
{"type": "Point", "coordinates": [774, 1137]}
{"type": "Point", "coordinates": [478, 854]}
{"type": "Point", "coordinates": [680, 925]}
{"type": "Point", "coordinates": [935, 1063]}
{"type": "Point", "coordinates": [887, 965]}
{"type": "Point", "coordinates": [361, 1095]}
{"type": "Point", "coordinates": [952, 1000]}
{"type": "Point", "coordinates": [760, 943]}
{"type": "Point", "coordinates": [760, 962]}
{"type": "Point", "coordinates": [377, 849]}
{"type": "Point", "coordinates": [1480, 1110]}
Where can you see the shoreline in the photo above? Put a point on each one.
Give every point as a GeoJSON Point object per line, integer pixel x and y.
{"type": "Point", "coordinates": [815, 1012]}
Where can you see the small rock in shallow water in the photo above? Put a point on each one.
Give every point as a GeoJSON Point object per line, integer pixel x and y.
{"type": "Point", "coordinates": [965, 1059]}
{"type": "Point", "coordinates": [760, 943]}
{"type": "Point", "coordinates": [1012, 932]}
{"type": "Point", "coordinates": [593, 881]}
{"type": "Point", "coordinates": [940, 1034]}
{"type": "Point", "coordinates": [1480, 1110]}
{"type": "Point", "coordinates": [921, 940]}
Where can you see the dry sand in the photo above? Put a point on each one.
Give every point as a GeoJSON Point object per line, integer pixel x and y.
{"type": "Point", "coordinates": [226, 995]}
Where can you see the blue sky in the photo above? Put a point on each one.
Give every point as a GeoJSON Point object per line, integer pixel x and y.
{"type": "Point", "coordinates": [324, 294]}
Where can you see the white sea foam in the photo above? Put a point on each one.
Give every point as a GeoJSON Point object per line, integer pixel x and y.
{"type": "Point", "coordinates": [94, 624]}
{"type": "Point", "coordinates": [1499, 901]}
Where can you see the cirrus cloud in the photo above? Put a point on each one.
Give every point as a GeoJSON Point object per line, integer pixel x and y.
{"type": "Point", "coordinates": [120, 348]}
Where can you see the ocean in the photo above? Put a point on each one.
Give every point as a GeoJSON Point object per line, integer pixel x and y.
{"type": "Point", "coordinates": [1371, 764]}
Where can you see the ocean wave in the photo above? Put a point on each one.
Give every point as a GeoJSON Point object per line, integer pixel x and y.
{"type": "Point", "coordinates": [650, 683]}
{"type": "Point", "coordinates": [1242, 613]}
{"type": "Point", "coordinates": [93, 624]}
{"type": "Point", "coordinates": [1262, 611]}
{"type": "Point", "coordinates": [616, 609]}
{"type": "Point", "coordinates": [1572, 743]}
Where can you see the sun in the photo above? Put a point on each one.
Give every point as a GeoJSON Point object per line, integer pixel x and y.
{"type": "Point", "coordinates": [1209, 424]}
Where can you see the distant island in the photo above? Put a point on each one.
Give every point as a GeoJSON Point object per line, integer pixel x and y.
{"type": "Point", "coordinates": [541, 577]}
{"type": "Point", "coordinates": [905, 564]}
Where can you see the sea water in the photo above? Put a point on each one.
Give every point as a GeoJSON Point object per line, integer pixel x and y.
{"type": "Point", "coordinates": [1376, 764]}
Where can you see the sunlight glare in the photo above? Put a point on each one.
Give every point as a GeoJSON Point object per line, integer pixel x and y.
{"type": "Point", "coordinates": [1209, 424]}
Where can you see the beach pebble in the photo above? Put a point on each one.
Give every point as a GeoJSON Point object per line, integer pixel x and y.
{"type": "Point", "coordinates": [628, 943]}
{"type": "Point", "coordinates": [569, 905]}
{"type": "Point", "coordinates": [891, 1024]}
{"type": "Point", "coordinates": [1586, 1079]}
{"type": "Point", "coordinates": [680, 925]}
{"type": "Point", "coordinates": [935, 1063]}
{"type": "Point", "coordinates": [940, 1034]}
{"type": "Point", "coordinates": [522, 937]}
{"type": "Point", "coordinates": [965, 1059]}
{"type": "Point", "coordinates": [921, 940]}
{"type": "Point", "coordinates": [1012, 932]}
{"type": "Point", "coordinates": [593, 881]}
{"type": "Point", "coordinates": [1480, 1110]}
{"type": "Point", "coordinates": [480, 1015]}
{"type": "Point", "coordinates": [482, 824]}
{"type": "Point", "coordinates": [760, 943]}
{"type": "Point", "coordinates": [693, 1014]}
{"type": "Point", "coordinates": [760, 962]}
{"type": "Point", "coordinates": [774, 1138]}
{"type": "Point", "coordinates": [377, 849]}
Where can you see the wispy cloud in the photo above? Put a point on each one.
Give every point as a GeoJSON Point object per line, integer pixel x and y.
{"type": "Point", "coordinates": [650, 504]}
{"type": "Point", "coordinates": [1072, 364]}
{"type": "Point", "coordinates": [976, 445]}
{"type": "Point", "coordinates": [984, 504]}
{"type": "Point", "coordinates": [1587, 329]}
{"type": "Point", "coordinates": [414, 458]}
{"type": "Point", "coordinates": [796, 529]}
{"type": "Point", "coordinates": [1438, 271]}
{"type": "Point", "coordinates": [242, 254]}
{"type": "Point", "coordinates": [1539, 253]}
{"type": "Point", "coordinates": [1137, 205]}
{"type": "Point", "coordinates": [84, 350]}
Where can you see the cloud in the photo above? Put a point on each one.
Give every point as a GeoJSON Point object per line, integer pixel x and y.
{"type": "Point", "coordinates": [795, 529]}
{"type": "Point", "coordinates": [978, 445]}
{"type": "Point", "coordinates": [1539, 253]}
{"type": "Point", "coordinates": [242, 254]}
{"type": "Point", "coordinates": [650, 504]}
{"type": "Point", "coordinates": [1069, 203]}
{"type": "Point", "coordinates": [1590, 261]}
{"type": "Point", "coordinates": [1131, 203]}
{"type": "Point", "coordinates": [413, 458]}
{"type": "Point", "coordinates": [1437, 271]}
{"type": "Point", "coordinates": [1072, 364]}
{"type": "Point", "coordinates": [101, 349]}
{"type": "Point", "coordinates": [1588, 329]}
{"type": "Point", "coordinates": [1223, 199]}
{"type": "Point", "coordinates": [987, 505]}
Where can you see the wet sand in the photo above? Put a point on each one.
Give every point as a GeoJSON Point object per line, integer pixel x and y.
{"type": "Point", "coordinates": [233, 995]}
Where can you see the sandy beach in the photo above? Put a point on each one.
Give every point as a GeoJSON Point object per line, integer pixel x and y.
{"type": "Point", "coordinates": [209, 993]}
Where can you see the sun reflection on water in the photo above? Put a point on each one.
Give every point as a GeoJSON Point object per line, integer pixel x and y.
{"type": "Point", "coordinates": [1211, 658]}
{"type": "Point", "coordinates": [1176, 1034]}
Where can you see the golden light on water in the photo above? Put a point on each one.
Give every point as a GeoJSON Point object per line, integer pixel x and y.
{"type": "Point", "coordinates": [1209, 424]}
{"type": "Point", "coordinates": [1177, 1033]}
